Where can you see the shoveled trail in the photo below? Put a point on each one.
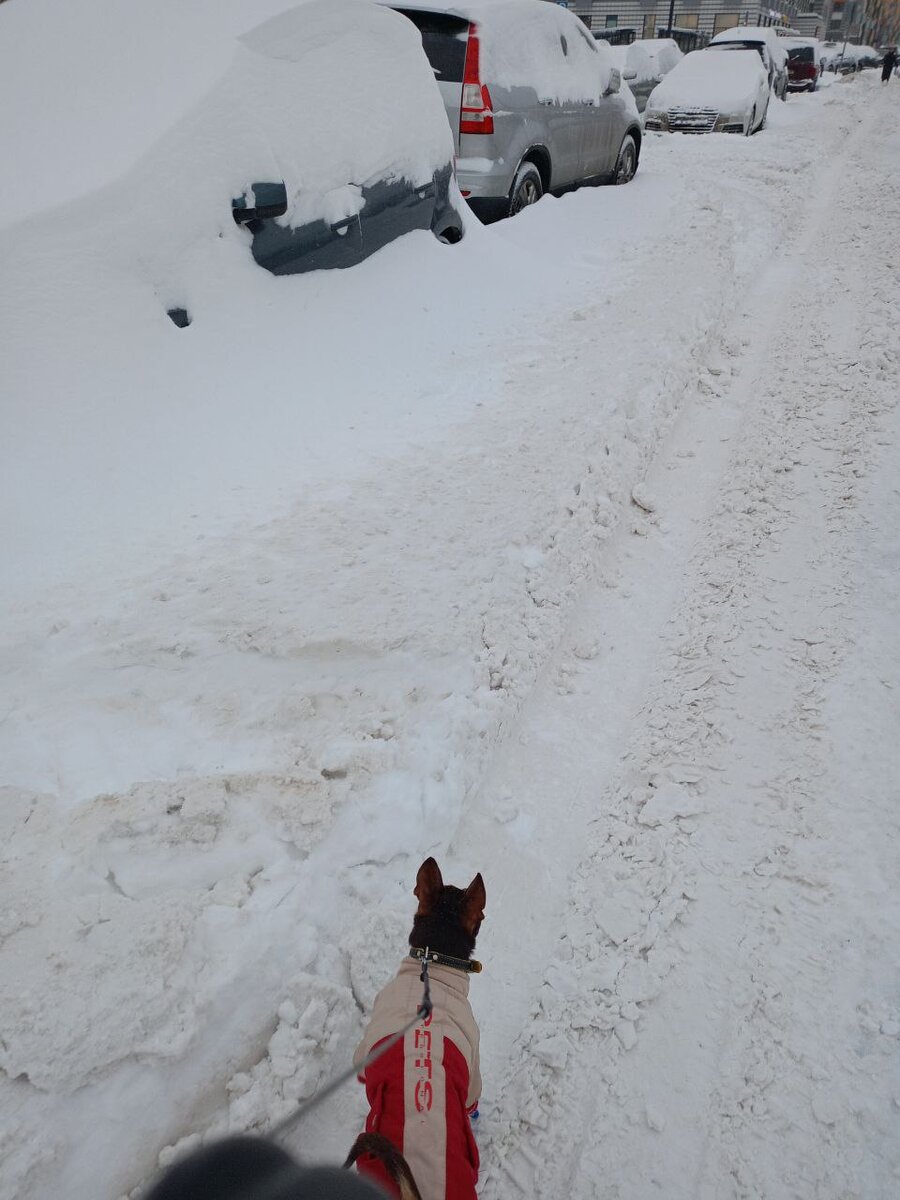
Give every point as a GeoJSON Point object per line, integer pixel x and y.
{"type": "Point", "coordinates": [695, 993]}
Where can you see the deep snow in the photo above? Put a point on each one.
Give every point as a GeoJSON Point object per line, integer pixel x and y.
{"type": "Point", "coordinates": [567, 554]}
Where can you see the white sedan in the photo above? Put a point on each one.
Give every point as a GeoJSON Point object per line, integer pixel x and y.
{"type": "Point", "coordinates": [711, 92]}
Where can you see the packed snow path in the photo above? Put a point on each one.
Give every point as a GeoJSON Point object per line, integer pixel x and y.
{"type": "Point", "coordinates": [622, 638]}
{"type": "Point", "coordinates": [716, 1012]}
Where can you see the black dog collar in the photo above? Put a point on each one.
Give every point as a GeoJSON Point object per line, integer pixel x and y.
{"type": "Point", "coordinates": [471, 965]}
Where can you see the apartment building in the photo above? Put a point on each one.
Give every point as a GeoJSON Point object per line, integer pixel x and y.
{"type": "Point", "coordinates": [706, 17]}
{"type": "Point", "coordinates": [868, 22]}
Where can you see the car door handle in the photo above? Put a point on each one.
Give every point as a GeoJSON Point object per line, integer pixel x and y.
{"type": "Point", "coordinates": [426, 192]}
{"type": "Point", "coordinates": [345, 224]}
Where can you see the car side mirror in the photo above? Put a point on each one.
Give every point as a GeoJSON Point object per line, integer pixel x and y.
{"type": "Point", "coordinates": [269, 200]}
{"type": "Point", "coordinates": [629, 75]}
{"type": "Point", "coordinates": [615, 82]}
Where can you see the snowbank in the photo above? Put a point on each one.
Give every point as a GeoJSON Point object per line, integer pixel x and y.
{"type": "Point", "coordinates": [162, 236]}
{"type": "Point", "coordinates": [93, 86]}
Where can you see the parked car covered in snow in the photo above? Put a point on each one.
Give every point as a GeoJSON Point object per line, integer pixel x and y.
{"type": "Point", "coordinates": [868, 57]}
{"type": "Point", "coordinates": [534, 104]}
{"type": "Point", "coordinates": [830, 52]}
{"type": "Point", "coordinates": [711, 93]}
{"type": "Point", "coordinates": [847, 58]}
{"type": "Point", "coordinates": [804, 64]}
{"type": "Point", "coordinates": [636, 69]}
{"type": "Point", "coordinates": [766, 43]}
{"type": "Point", "coordinates": [374, 163]}
{"type": "Point", "coordinates": [664, 53]}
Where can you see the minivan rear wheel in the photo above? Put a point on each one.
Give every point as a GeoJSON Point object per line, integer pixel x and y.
{"type": "Point", "coordinates": [626, 163]}
{"type": "Point", "coordinates": [527, 188]}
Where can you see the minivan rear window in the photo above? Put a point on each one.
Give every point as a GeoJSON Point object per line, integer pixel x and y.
{"type": "Point", "coordinates": [801, 54]}
{"type": "Point", "coordinates": [444, 40]}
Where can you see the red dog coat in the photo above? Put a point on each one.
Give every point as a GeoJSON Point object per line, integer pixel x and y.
{"type": "Point", "coordinates": [421, 1092]}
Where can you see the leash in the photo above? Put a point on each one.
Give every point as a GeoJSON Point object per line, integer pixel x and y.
{"type": "Point", "coordinates": [422, 1012]}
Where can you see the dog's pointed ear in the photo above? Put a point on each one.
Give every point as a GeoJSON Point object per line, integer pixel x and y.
{"type": "Point", "coordinates": [473, 902]}
{"type": "Point", "coordinates": [429, 884]}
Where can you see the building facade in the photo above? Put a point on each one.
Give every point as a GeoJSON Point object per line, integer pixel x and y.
{"type": "Point", "coordinates": [867, 22]}
{"type": "Point", "coordinates": [870, 22]}
{"type": "Point", "coordinates": [705, 17]}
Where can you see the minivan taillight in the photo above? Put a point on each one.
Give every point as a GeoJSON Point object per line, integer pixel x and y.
{"type": "Point", "coordinates": [475, 115]}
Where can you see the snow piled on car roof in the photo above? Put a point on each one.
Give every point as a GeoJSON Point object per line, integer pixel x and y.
{"type": "Point", "coordinates": [529, 43]}
{"type": "Point", "coordinates": [304, 101]}
{"type": "Point", "coordinates": [109, 81]}
{"type": "Point", "coordinates": [762, 34]}
{"type": "Point", "coordinates": [718, 80]}
{"type": "Point", "coordinates": [149, 82]}
{"type": "Point", "coordinates": [316, 75]}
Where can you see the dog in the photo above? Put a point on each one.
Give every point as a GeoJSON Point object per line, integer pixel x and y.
{"type": "Point", "coordinates": [423, 1091]}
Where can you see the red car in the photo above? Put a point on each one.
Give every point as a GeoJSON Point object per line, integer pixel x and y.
{"type": "Point", "coordinates": [804, 65]}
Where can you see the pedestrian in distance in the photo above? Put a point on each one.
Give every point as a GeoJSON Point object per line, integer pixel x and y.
{"type": "Point", "coordinates": [888, 63]}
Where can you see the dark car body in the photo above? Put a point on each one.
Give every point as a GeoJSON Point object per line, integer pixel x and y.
{"type": "Point", "coordinates": [361, 171]}
{"type": "Point", "coordinates": [390, 208]}
{"type": "Point", "coordinates": [804, 68]}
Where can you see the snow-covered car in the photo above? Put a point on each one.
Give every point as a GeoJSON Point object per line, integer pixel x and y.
{"type": "Point", "coordinates": [711, 93]}
{"type": "Point", "coordinates": [829, 52]}
{"type": "Point", "coordinates": [770, 48]}
{"type": "Point", "coordinates": [534, 104]}
{"type": "Point", "coordinates": [665, 53]}
{"type": "Point", "coordinates": [840, 58]}
{"type": "Point", "coordinates": [804, 64]}
{"type": "Point", "coordinates": [636, 69]}
{"type": "Point", "coordinates": [344, 178]}
{"type": "Point", "coordinates": [868, 57]}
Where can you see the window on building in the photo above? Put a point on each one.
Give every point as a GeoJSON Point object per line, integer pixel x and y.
{"type": "Point", "coordinates": [688, 20]}
{"type": "Point", "coordinates": [612, 22]}
{"type": "Point", "coordinates": [649, 30]}
{"type": "Point", "coordinates": [726, 20]}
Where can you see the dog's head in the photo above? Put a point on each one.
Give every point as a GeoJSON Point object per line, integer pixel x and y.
{"type": "Point", "coordinates": [448, 918]}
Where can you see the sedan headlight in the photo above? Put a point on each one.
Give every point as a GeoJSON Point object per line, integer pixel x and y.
{"type": "Point", "coordinates": [656, 118]}
{"type": "Point", "coordinates": [730, 123]}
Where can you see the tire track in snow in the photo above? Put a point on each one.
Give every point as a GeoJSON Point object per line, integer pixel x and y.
{"type": "Point", "coordinates": [573, 1118]}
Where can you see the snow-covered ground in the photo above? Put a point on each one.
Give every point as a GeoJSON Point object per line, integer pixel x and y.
{"type": "Point", "coordinates": [567, 554]}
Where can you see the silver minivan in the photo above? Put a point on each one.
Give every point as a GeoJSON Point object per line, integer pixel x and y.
{"type": "Point", "coordinates": [535, 105]}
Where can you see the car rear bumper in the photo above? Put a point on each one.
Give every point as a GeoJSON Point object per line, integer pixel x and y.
{"type": "Point", "coordinates": [483, 178]}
